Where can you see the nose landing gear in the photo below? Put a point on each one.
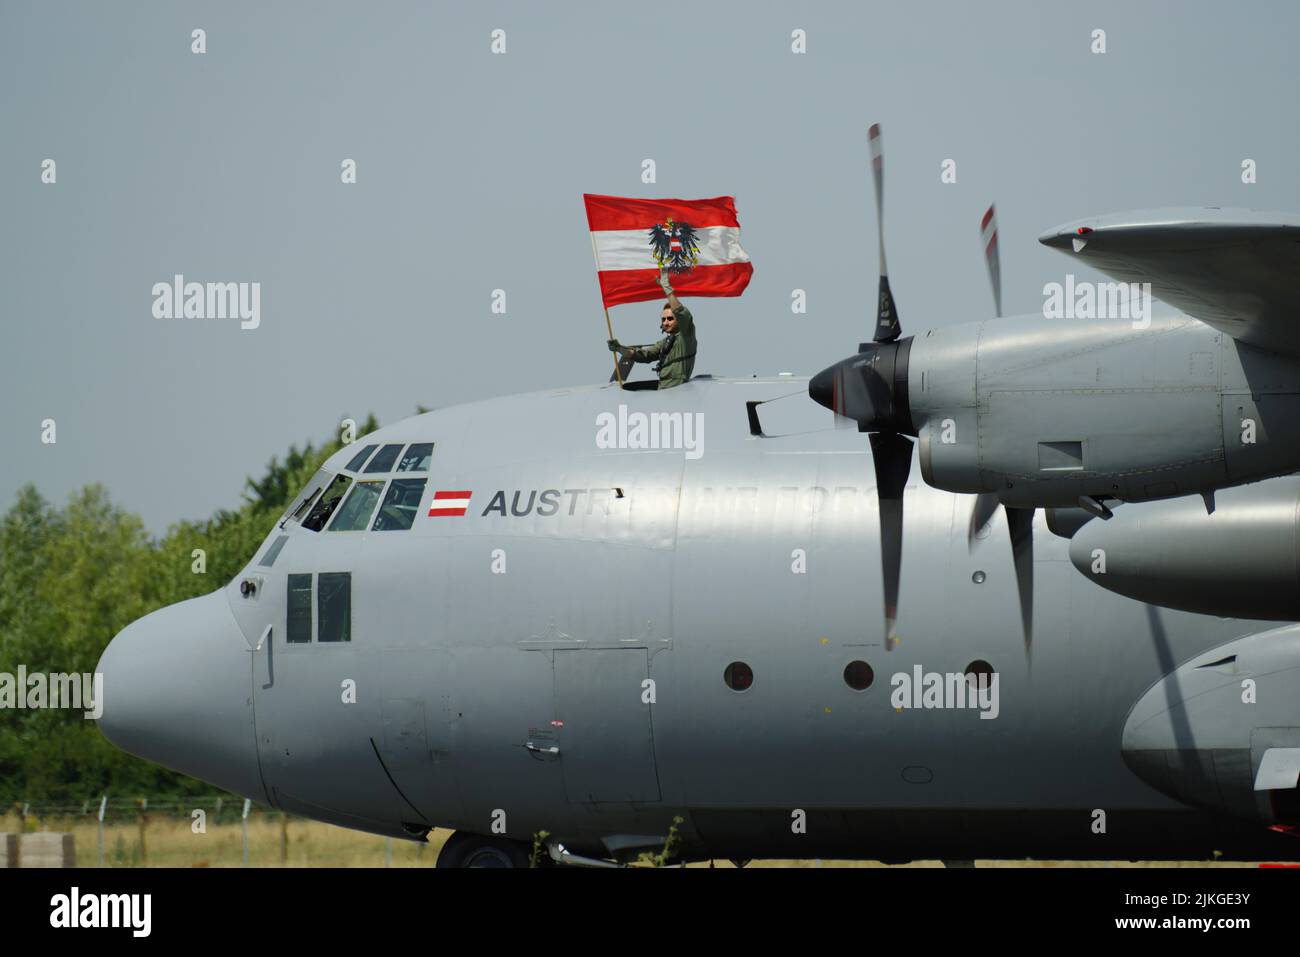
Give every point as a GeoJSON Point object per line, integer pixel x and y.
{"type": "Point", "coordinates": [475, 850]}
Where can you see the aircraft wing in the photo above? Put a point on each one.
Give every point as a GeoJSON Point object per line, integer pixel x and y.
{"type": "Point", "coordinates": [1237, 270]}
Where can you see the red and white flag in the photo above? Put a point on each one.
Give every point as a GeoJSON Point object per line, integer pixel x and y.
{"type": "Point", "coordinates": [449, 503]}
{"type": "Point", "coordinates": [696, 240]}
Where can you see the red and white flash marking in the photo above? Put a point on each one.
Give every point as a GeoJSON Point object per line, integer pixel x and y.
{"type": "Point", "coordinates": [989, 232]}
{"type": "Point", "coordinates": [449, 503]}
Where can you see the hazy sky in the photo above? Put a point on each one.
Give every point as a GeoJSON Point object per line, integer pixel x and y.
{"type": "Point", "coordinates": [225, 166]}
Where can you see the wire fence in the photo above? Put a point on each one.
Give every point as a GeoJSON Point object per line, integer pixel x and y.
{"type": "Point", "coordinates": [217, 807]}
{"type": "Point", "coordinates": [146, 831]}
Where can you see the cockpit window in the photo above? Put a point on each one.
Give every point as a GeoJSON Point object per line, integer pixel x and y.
{"type": "Point", "coordinates": [308, 495]}
{"type": "Point", "coordinates": [334, 606]}
{"type": "Point", "coordinates": [359, 459]}
{"type": "Point", "coordinates": [418, 457]}
{"type": "Point", "coordinates": [329, 501]}
{"type": "Point", "coordinates": [383, 461]}
{"type": "Point", "coordinates": [273, 552]}
{"type": "Point", "coordinates": [299, 614]}
{"type": "Point", "coordinates": [400, 505]}
{"type": "Point", "coordinates": [301, 510]}
{"type": "Point", "coordinates": [355, 513]}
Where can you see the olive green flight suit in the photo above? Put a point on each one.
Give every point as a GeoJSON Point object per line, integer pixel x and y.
{"type": "Point", "coordinates": [675, 353]}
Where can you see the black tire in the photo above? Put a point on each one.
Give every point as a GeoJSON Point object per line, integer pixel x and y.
{"type": "Point", "coordinates": [474, 850]}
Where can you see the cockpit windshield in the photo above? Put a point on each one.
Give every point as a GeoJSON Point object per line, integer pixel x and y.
{"type": "Point", "coordinates": [307, 496]}
{"type": "Point", "coordinates": [327, 503]}
{"type": "Point", "coordinates": [384, 459]}
{"type": "Point", "coordinates": [325, 500]}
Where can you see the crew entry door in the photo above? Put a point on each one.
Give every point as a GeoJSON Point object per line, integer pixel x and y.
{"type": "Point", "coordinates": [607, 741]}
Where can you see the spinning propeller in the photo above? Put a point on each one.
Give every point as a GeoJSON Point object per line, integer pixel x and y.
{"type": "Point", "coordinates": [1020, 521]}
{"type": "Point", "coordinates": [869, 389]}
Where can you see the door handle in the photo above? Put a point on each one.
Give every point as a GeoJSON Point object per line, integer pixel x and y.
{"type": "Point", "coordinates": [266, 633]}
{"type": "Point", "coordinates": [538, 749]}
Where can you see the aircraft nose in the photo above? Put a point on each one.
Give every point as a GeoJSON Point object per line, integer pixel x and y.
{"type": "Point", "coordinates": [177, 690]}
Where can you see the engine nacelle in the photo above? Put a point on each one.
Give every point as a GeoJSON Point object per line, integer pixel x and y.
{"type": "Point", "coordinates": [1242, 561]}
{"type": "Point", "coordinates": [1045, 412]}
{"type": "Point", "coordinates": [949, 465]}
{"type": "Point", "coordinates": [1222, 731]}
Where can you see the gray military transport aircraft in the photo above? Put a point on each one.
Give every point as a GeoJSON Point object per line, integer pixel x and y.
{"type": "Point", "coordinates": [584, 612]}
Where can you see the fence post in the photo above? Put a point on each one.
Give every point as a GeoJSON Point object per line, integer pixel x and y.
{"type": "Point", "coordinates": [388, 852]}
{"type": "Point", "coordinates": [103, 806]}
{"type": "Point", "coordinates": [142, 824]}
{"type": "Point", "coordinates": [247, 804]}
{"type": "Point", "coordinates": [284, 839]}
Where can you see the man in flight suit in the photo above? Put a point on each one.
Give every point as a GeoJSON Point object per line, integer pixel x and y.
{"type": "Point", "coordinates": [675, 353]}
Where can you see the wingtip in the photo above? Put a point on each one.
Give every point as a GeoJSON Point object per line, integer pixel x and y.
{"type": "Point", "coordinates": [1074, 234]}
{"type": "Point", "coordinates": [1055, 239]}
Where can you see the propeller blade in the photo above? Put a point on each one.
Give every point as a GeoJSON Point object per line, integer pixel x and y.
{"type": "Point", "coordinates": [887, 325]}
{"type": "Point", "coordinates": [986, 506]}
{"type": "Point", "coordinates": [989, 236]}
{"type": "Point", "coordinates": [1020, 521]}
{"type": "Point", "coordinates": [876, 144]}
{"type": "Point", "coordinates": [892, 455]}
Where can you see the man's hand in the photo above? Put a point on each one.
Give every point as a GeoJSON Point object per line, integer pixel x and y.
{"type": "Point", "coordinates": [614, 345]}
{"type": "Point", "coordinates": [673, 301]}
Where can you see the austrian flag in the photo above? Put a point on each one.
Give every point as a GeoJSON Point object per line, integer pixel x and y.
{"type": "Point", "coordinates": [449, 503]}
{"type": "Point", "coordinates": [696, 240]}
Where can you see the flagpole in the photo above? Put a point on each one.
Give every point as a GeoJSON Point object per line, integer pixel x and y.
{"type": "Point", "coordinates": [608, 325]}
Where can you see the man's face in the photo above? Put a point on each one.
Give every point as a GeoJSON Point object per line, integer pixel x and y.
{"type": "Point", "coordinates": [668, 322]}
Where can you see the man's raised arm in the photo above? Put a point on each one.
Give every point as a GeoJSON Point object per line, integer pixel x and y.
{"type": "Point", "coordinates": [685, 321]}
{"type": "Point", "coordinates": [673, 302]}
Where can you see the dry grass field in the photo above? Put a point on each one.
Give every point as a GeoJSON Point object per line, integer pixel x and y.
{"type": "Point", "coordinates": [276, 841]}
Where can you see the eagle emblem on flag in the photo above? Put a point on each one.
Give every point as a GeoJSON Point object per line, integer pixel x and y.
{"type": "Point", "coordinates": [674, 246]}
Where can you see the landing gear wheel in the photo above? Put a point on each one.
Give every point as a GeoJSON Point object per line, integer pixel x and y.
{"type": "Point", "coordinates": [474, 850]}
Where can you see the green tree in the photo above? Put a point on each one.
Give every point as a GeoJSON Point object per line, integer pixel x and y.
{"type": "Point", "coordinates": [73, 577]}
